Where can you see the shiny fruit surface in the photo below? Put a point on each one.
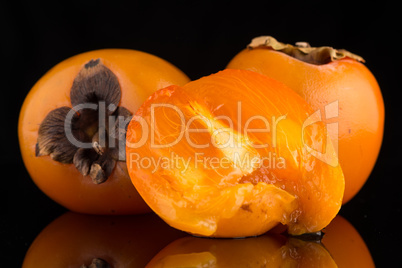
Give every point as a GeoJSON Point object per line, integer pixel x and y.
{"type": "Point", "coordinates": [227, 156]}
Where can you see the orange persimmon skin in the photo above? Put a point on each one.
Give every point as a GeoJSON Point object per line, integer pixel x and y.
{"type": "Point", "coordinates": [360, 102]}
{"type": "Point", "coordinates": [73, 240]}
{"type": "Point", "coordinates": [139, 75]}
{"type": "Point", "coordinates": [235, 199]}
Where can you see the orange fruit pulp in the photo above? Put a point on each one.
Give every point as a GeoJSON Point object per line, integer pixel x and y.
{"type": "Point", "coordinates": [227, 156]}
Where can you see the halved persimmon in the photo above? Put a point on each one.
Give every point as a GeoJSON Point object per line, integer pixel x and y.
{"type": "Point", "coordinates": [233, 154]}
{"type": "Point", "coordinates": [72, 127]}
{"type": "Point", "coordinates": [325, 76]}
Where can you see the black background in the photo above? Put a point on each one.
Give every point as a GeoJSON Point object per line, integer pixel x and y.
{"type": "Point", "coordinates": [200, 38]}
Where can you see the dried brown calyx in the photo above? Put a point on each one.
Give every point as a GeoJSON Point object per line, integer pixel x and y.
{"type": "Point", "coordinates": [97, 263]}
{"type": "Point", "coordinates": [91, 134]}
{"type": "Point", "coordinates": [303, 51]}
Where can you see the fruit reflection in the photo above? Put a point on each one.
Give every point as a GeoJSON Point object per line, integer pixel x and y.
{"type": "Point", "coordinates": [341, 246]}
{"type": "Point", "coordinates": [76, 240]}
{"type": "Point", "coordinates": [269, 250]}
{"type": "Point", "coordinates": [346, 245]}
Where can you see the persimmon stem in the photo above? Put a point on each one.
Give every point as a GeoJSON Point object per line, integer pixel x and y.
{"type": "Point", "coordinates": [99, 149]}
{"type": "Point", "coordinates": [99, 87]}
{"type": "Point", "coordinates": [99, 142]}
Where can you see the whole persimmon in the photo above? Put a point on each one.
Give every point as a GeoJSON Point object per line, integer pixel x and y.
{"type": "Point", "coordinates": [72, 127]}
{"type": "Point", "coordinates": [228, 156]}
{"type": "Point", "coordinates": [80, 240]}
{"type": "Point", "coordinates": [337, 85]}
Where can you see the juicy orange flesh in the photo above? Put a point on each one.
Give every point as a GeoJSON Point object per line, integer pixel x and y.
{"type": "Point", "coordinates": [224, 156]}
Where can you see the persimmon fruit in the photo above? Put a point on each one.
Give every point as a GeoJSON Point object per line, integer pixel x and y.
{"type": "Point", "coordinates": [322, 76]}
{"type": "Point", "coordinates": [228, 156]}
{"type": "Point", "coordinates": [72, 127]}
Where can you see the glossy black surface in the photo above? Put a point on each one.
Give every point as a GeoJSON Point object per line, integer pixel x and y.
{"type": "Point", "coordinates": [199, 38]}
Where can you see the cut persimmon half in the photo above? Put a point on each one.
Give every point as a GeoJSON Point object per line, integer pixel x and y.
{"type": "Point", "coordinates": [232, 155]}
